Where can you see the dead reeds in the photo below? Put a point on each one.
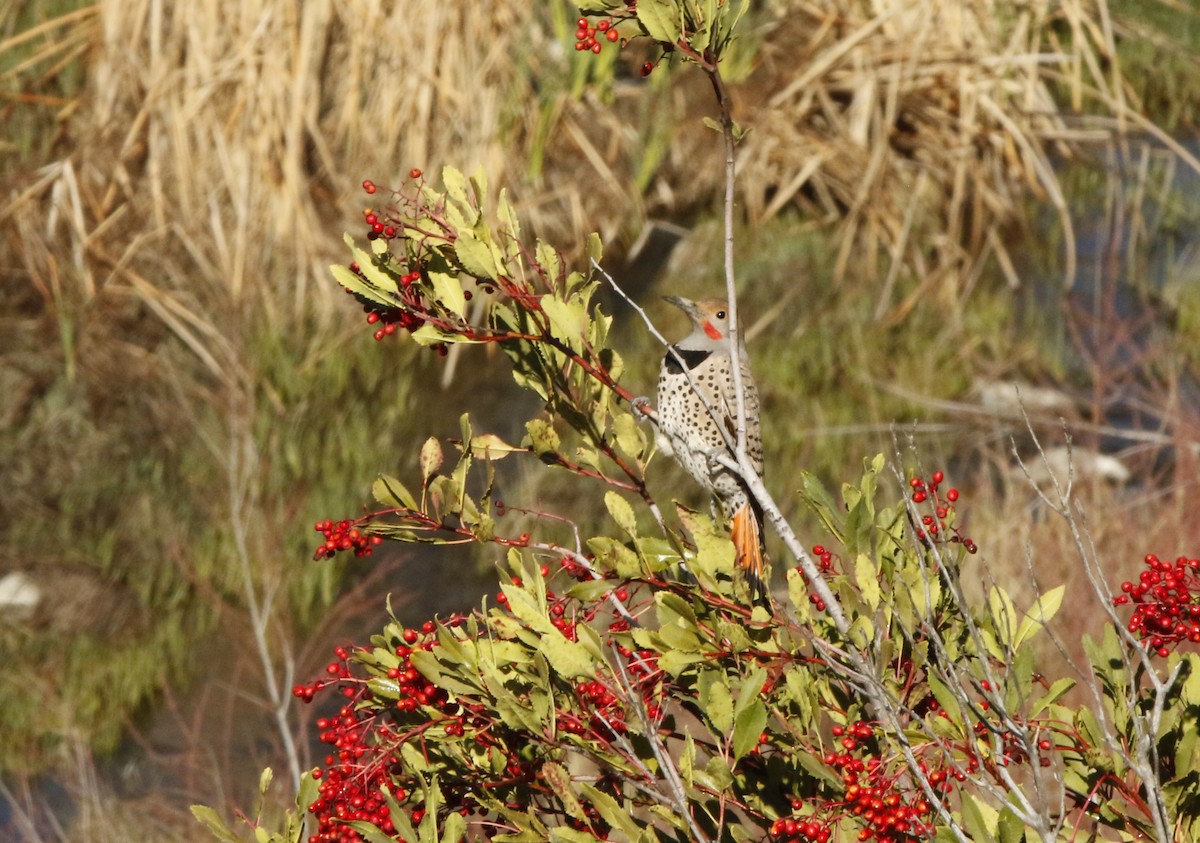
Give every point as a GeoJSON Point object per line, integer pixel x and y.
{"type": "Point", "coordinates": [922, 128]}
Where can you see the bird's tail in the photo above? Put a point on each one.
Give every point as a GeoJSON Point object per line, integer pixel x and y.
{"type": "Point", "coordinates": [746, 532]}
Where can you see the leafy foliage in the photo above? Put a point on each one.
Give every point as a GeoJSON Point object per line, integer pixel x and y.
{"type": "Point", "coordinates": [623, 686]}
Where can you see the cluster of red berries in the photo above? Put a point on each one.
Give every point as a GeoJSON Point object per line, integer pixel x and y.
{"type": "Point", "coordinates": [412, 688]}
{"type": "Point", "coordinates": [825, 561]}
{"type": "Point", "coordinates": [1166, 601]}
{"type": "Point", "coordinates": [343, 535]}
{"type": "Point", "coordinates": [349, 789]}
{"type": "Point", "coordinates": [589, 37]}
{"type": "Point", "coordinates": [872, 794]}
{"type": "Point", "coordinates": [411, 308]}
{"type": "Point", "coordinates": [934, 528]}
{"type": "Point", "coordinates": [367, 733]}
{"type": "Point", "coordinates": [365, 747]}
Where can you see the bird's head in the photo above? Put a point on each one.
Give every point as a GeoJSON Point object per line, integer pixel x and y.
{"type": "Point", "coordinates": [710, 318]}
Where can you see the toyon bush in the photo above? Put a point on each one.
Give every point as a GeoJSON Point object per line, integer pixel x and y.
{"type": "Point", "coordinates": [624, 685]}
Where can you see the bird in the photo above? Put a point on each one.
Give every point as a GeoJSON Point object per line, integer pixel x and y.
{"type": "Point", "coordinates": [696, 400]}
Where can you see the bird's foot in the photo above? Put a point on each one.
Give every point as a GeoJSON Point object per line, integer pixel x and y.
{"type": "Point", "coordinates": [641, 407]}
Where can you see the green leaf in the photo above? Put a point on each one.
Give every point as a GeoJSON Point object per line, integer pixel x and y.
{"type": "Point", "coordinates": [215, 824]}
{"type": "Point", "coordinates": [1189, 694]}
{"type": "Point", "coordinates": [798, 595]}
{"type": "Point", "coordinates": [1056, 692]}
{"type": "Point", "coordinates": [508, 216]}
{"type": "Point", "coordinates": [687, 759]}
{"type": "Point", "coordinates": [569, 659]}
{"type": "Point", "coordinates": [818, 499]}
{"type": "Point", "coordinates": [448, 290]}
{"type": "Point", "coordinates": [674, 662]}
{"type": "Point", "coordinates": [1187, 753]}
{"type": "Point", "coordinates": [751, 690]}
{"type": "Point", "coordinates": [370, 832]}
{"type": "Point", "coordinates": [542, 437]}
{"type": "Point", "coordinates": [388, 689]}
{"type": "Point", "coordinates": [613, 555]}
{"type": "Point", "coordinates": [399, 816]}
{"type": "Point", "coordinates": [611, 811]}
{"type": "Point", "coordinates": [589, 590]}
{"type": "Point", "coordinates": [430, 334]}
{"type": "Point", "coordinates": [567, 319]}
{"type": "Point", "coordinates": [390, 492]}
{"type": "Point", "coordinates": [621, 512]}
{"type": "Point", "coordinates": [715, 553]}
{"type": "Point", "coordinates": [979, 819]}
{"type": "Point", "coordinates": [748, 725]}
{"type": "Point", "coordinates": [1004, 614]}
{"type": "Point", "coordinates": [594, 247]}
{"type": "Point", "coordinates": [631, 439]}
{"type": "Point", "coordinates": [476, 256]}
{"type": "Point", "coordinates": [354, 283]}
{"type": "Point", "coordinates": [454, 828]}
{"type": "Point", "coordinates": [662, 20]}
{"type": "Point", "coordinates": [1039, 614]}
{"type": "Point", "coordinates": [866, 575]}
{"type": "Point", "coordinates": [569, 835]}
{"type": "Point", "coordinates": [559, 781]}
{"type": "Point", "coordinates": [456, 185]}
{"type": "Point", "coordinates": [1010, 828]}
{"type": "Point", "coordinates": [946, 699]}
{"type": "Point", "coordinates": [681, 637]}
{"type": "Point", "coordinates": [489, 446]}
{"type": "Point", "coordinates": [716, 701]}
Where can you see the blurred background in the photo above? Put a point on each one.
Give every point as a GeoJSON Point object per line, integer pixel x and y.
{"type": "Point", "coordinates": [960, 225]}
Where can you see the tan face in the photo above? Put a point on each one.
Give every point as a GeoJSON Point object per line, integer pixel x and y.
{"type": "Point", "coordinates": [712, 317]}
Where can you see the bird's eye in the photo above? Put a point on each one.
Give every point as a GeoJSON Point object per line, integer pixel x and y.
{"type": "Point", "coordinates": [720, 314]}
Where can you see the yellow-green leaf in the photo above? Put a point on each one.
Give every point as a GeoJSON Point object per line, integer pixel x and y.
{"type": "Point", "coordinates": [867, 579]}
{"type": "Point", "coordinates": [661, 19]}
{"type": "Point", "coordinates": [716, 701]}
{"type": "Point", "coordinates": [568, 659]}
{"type": "Point", "coordinates": [621, 512]}
{"type": "Point", "coordinates": [748, 726]}
{"type": "Point", "coordinates": [448, 290]}
{"type": "Point", "coordinates": [215, 824]}
{"type": "Point", "coordinates": [476, 256]}
{"type": "Point", "coordinates": [1039, 614]}
{"type": "Point", "coordinates": [567, 319]}
{"type": "Point", "coordinates": [391, 492]}
{"type": "Point", "coordinates": [489, 446]}
{"type": "Point", "coordinates": [352, 282]}
{"type": "Point", "coordinates": [431, 457]}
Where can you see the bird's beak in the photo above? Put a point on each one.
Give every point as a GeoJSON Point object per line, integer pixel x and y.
{"type": "Point", "coordinates": [686, 305]}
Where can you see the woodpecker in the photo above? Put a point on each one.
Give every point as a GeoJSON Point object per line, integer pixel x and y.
{"type": "Point", "coordinates": [696, 400]}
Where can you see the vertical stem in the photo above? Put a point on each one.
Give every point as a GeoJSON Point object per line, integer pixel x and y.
{"type": "Point", "coordinates": [242, 461]}
{"type": "Point", "coordinates": [726, 118]}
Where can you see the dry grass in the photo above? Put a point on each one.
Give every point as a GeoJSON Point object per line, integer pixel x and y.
{"type": "Point", "coordinates": [923, 128]}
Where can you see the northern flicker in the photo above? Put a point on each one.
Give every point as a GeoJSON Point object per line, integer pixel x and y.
{"type": "Point", "coordinates": [696, 376]}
